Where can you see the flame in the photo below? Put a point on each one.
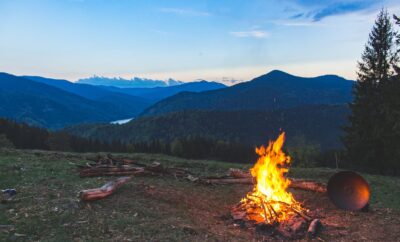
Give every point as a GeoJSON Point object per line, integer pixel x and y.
{"type": "Point", "coordinates": [270, 201]}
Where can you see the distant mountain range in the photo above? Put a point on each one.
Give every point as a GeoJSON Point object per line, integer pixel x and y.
{"type": "Point", "coordinates": [135, 82]}
{"type": "Point", "coordinates": [158, 93]}
{"type": "Point", "coordinates": [54, 103]}
{"type": "Point", "coordinates": [250, 113]}
{"type": "Point", "coordinates": [272, 91]}
{"type": "Point", "coordinates": [43, 105]}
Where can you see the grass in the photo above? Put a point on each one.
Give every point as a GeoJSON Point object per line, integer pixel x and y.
{"type": "Point", "coordinates": [146, 209]}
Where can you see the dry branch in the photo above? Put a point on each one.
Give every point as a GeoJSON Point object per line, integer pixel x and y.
{"type": "Point", "coordinates": [104, 191]}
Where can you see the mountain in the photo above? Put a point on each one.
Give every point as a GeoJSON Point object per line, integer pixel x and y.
{"type": "Point", "coordinates": [158, 93]}
{"type": "Point", "coordinates": [273, 91]}
{"type": "Point", "coordinates": [135, 82]}
{"type": "Point", "coordinates": [317, 124]}
{"type": "Point", "coordinates": [43, 105]}
{"type": "Point", "coordinates": [127, 105]}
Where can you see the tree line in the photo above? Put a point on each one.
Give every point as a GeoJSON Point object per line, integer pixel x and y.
{"type": "Point", "coordinates": [23, 136]}
{"type": "Point", "coordinates": [372, 138]}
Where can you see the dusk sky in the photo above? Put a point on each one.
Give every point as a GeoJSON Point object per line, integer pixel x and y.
{"type": "Point", "coordinates": [184, 40]}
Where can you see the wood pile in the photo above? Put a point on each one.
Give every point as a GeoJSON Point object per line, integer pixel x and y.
{"type": "Point", "coordinates": [112, 166]}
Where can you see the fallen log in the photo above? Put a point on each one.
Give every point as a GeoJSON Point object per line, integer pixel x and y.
{"type": "Point", "coordinates": [111, 171]}
{"type": "Point", "coordinates": [294, 183]}
{"type": "Point", "coordinates": [307, 185]}
{"type": "Point", "coordinates": [220, 181]}
{"type": "Point", "coordinates": [237, 173]}
{"type": "Point", "coordinates": [104, 191]}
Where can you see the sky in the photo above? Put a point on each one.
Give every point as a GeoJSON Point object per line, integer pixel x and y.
{"type": "Point", "coordinates": [220, 40]}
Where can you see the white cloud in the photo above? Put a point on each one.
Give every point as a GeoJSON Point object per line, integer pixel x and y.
{"type": "Point", "coordinates": [183, 11]}
{"type": "Point", "coordinates": [260, 34]}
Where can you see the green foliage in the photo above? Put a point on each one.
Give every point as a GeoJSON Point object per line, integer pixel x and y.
{"type": "Point", "coordinates": [303, 152]}
{"type": "Point", "coordinates": [177, 148]}
{"type": "Point", "coordinates": [23, 136]}
{"type": "Point", "coordinates": [372, 138]}
{"type": "Point", "coordinates": [4, 142]}
{"type": "Point", "coordinates": [59, 141]}
{"type": "Point", "coordinates": [319, 124]}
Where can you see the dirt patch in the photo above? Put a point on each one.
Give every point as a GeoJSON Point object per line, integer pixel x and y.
{"type": "Point", "coordinates": [208, 209]}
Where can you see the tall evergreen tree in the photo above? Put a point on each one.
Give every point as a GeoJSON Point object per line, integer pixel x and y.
{"type": "Point", "coordinates": [364, 139]}
{"type": "Point", "coordinates": [391, 111]}
{"type": "Point", "coordinates": [396, 64]}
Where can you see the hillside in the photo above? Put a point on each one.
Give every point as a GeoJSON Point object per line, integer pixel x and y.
{"type": "Point", "coordinates": [272, 91]}
{"type": "Point", "coordinates": [42, 105]}
{"type": "Point", "coordinates": [318, 124]}
{"type": "Point", "coordinates": [162, 208]}
{"type": "Point", "coordinates": [127, 105]}
{"type": "Point", "coordinates": [158, 93]}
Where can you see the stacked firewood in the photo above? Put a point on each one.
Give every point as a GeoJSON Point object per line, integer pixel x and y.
{"type": "Point", "coordinates": [112, 166]}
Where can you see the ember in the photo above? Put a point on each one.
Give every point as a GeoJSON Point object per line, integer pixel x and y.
{"type": "Point", "coordinates": [270, 202]}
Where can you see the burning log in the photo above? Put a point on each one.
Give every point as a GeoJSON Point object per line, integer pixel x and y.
{"type": "Point", "coordinates": [104, 191]}
{"type": "Point", "coordinates": [270, 203]}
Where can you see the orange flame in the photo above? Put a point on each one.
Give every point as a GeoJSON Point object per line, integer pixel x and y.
{"type": "Point", "coordinates": [270, 201]}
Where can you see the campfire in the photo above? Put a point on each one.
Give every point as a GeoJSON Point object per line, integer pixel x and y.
{"type": "Point", "coordinates": [270, 203]}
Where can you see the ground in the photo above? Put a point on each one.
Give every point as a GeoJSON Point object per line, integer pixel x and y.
{"type": "Point", "coordinates": [46, 207]}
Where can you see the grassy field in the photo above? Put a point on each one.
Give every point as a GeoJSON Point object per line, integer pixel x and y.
{"type": "Point", "coordinates": [146, 209]}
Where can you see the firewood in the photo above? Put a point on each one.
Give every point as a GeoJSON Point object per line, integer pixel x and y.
{"type": "Point", "coordinates": [307, 185]}
{"type": "Point", "coordinates": [314, 228]}
{"type": "Point", "coordinates": [294, 183]}
{"type": "Point", "coordinates": [219, 181]}
{"type": "Point", "coordinates": [104, 191]}
{"type": "Point", "coordinates": [111, 171]}
{"type": "Point", "coordinates": [237, 173]}
{"type": "Point", "coordinates": [132, 162]}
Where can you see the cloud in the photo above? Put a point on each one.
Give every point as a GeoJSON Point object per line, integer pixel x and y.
{"type": "Point", "coordinates": [184, 12]}
{"type": "Point", "coordinates": [340, 8]}
{"type": "Point", "coordinates": [259, 34]}
{"type": "Point", "coordinates": [318, 10]}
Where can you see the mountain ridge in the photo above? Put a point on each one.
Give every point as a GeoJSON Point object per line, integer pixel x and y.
{"type": "Point", "coordinates": [271, 91]}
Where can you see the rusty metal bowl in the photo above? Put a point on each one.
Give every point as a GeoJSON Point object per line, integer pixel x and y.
{"type": "Point", "coordinates": [348, 190]}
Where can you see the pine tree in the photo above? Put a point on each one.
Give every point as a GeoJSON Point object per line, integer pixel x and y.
{"type": "Point", "coordinates": [396, 64]}
{"type": "Point", "coordinates": [391, 111]}
{"type": "Point", "coordinates": [364, 139]}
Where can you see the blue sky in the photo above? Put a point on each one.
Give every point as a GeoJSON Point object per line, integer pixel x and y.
{"type": "Point", "coordinates": [185, 40]}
